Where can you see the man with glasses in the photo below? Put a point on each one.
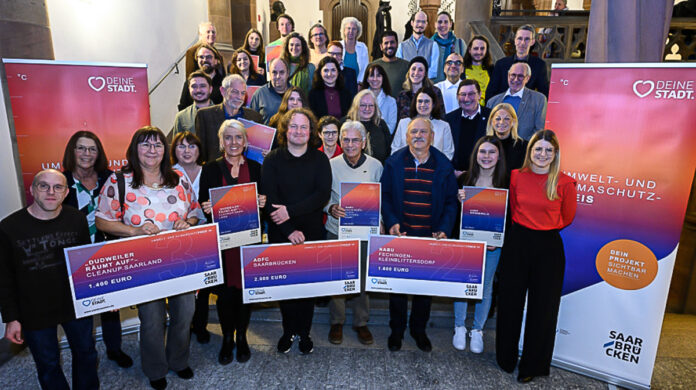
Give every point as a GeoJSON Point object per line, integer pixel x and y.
{"type": "Point", "coordinates": [208, 63]}
{"type": "Point", "coordinates": [530, 106]}
{"type": "Point", "coordinates": [468, 123]}
{"type": "Point", "coordinates": [350, 76]}
{"type": "Point", "coordinates": [538, 77]}
{"type": "Point", "coordinates": [209, 119]}
{"type": "Point", "coordinates": [356, 167]}
{"type": "Point", "coordinates": [450, 85]}
{"type": "Point", "coordinates": [35, 295]}
{"type": "Point", "coordinates": [419, 45]}
{"type": "Point", "coordinates": [200, 86]}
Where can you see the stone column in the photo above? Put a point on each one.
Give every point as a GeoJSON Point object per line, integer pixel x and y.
{"type": "Point", "coordinates": [24, 30]}
{"type": "Point", "coordinates": [430, 7]}
{"type": "Point", "coordinates": [467, 11]}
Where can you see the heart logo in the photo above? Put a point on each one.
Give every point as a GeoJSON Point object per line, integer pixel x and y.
{"type": "Point", "coordinates": [87, 302]}
{"type": "Point", "coordinates": [92, 83]}
{"type": "Point", "coordinates": [642, 85]}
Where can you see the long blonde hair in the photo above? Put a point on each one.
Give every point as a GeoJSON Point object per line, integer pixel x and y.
{"type": "Point", "coordinates": [513, 126]}
{"type": "Point", "coordinates": [354, 111]}
{"type": "Point", "coordinates": [554, 169]}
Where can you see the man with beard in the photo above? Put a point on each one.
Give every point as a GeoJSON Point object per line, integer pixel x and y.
{"type": "Point", "coordinates": [208, 63]}
{"type": "Point", "coordinates": [419, 45]}
{"type": "Point", "coordinates": [395, 67]}
{"type": "Point", "coordinates": [200, 87]}
{"type": "Point", "coordinates": [209, 119]}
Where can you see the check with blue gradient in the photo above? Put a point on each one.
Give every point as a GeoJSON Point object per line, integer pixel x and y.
{"type": "Point", "coordinates": [425, 266]}
{"type": "Point", "coordinates": [483, 215]}
{"type": "Point", "coordinates": [361, 202]}
{"type": "Point", "coordinates": [236, 211]}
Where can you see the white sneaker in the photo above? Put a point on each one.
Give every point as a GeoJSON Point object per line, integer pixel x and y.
{"type": "Point", "coordinates": [459, 338]}
{"type": "Point", "coordinates": [476, 341]}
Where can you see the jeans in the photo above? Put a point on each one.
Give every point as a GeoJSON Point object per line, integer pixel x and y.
{"type": "Point", "coordinates": [111, 330]}
{"type": "Point", "coordinates": [484, 305]}
{"type": "Point", "coordinates": [43, 344]}
{"type": "Point", "coordinates": [157, 359]}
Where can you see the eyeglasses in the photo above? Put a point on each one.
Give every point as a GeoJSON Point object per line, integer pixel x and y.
{"type": "Point", "coordinates": [44, 187]}
{"type": "Point", "coordinates": [321, 34]}
{"type": "Point", "coordinates": [516, 76]}
{"type": "Point", "coordinates": [335, 54]}
{"type": "Point", "coordinates": [148, 146]}
{"type": "Point", "coordinates": [351, 140]}
{"type": "Point", "coordinates": [366, 106]}
{"type": "Point", "coordinates": [467, 94]}
{"type": "Point", "coordinates": [84, 149]}
{"type": "Point", "coordinates": [450, 63]}
{"type": "Point", "coordinates": [183, 147]}
{"type": "Point", "coordinates": [329, 133]}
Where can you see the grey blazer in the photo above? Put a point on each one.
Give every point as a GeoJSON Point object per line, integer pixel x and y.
{"type": "Point", "coordinates": [531, 114]}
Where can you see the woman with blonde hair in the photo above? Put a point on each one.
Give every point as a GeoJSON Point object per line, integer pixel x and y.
{"type": "Point", "coordinates": [366, 111]}
{"type": "Point", "coordinates": [502, 123]}
{"type": "Point", "coordinates": [542, 202]}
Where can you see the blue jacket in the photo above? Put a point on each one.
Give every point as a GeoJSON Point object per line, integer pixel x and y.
{"type": "Point", "coordinates": [444, 193]}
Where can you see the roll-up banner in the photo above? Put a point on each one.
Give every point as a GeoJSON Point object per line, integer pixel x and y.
{"type": "Point", "coordinates": [51, 100]}
{"type": "Point", "coordinates": [627, 135]}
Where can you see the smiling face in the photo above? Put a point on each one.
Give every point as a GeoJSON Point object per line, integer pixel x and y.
{"type": "Point", "coordinates": [199, 89]}
{"type": "Point", "coordinates": [477, 51]}
{"type": "Point", "coordinates": [329, 135]}
{"type": "Point", "coordinates": [487, 155]}
{"type": "Point", "coordinates": [243, 62]}
{"type": "Point", "coordinates": [295, 47]}
{"type": "Point", "coordinates": [468, 98]}
{"type": "Point", "coordinates": [254, 41]}
{"type": "Point", "coordinates": [419, 23]}
{"type": "Point", "coordinates": [206, 60]}
{"type": "Point", "coordinates": [150, 153]}
{"type": "Point", "coordinates": [285, 26]}
{"type": "Point", "coordinates": [352, 144]}
{"type": "Point", "coordinates": [375, 79]}
{"type": "Point", "coordinates": [389, 46]}
{"type": "Point", "coordinates": [329, 73]}
{"type": "Point", "coordinates": [502, 124]}
{"type": "Point", "coordinates": [186, 153]}
{"type": "Point", "coordinates": [298, 130]}
{"type": "Point", "coordinates": [416, 73]}
{"type": "Point", "coordinates": [207, 34]}
{"type": "Point", "coordinates": [419, 135]}
{"type": "Point", "coordinates": [233, 142]}
{"type": "Point", "coordinates": [517, 77]}
{"type": "Point", "coordinates": [294, 101]}
{"type": "Point", "coordinates": [86, 153]}
{"type": "Point", "coordinates": [234, 95]}
{"type": "Point", "coordinates": [444, 25]}
{"type": "Point", "coordinates": [366, 110]}
{"type": "Point", "coordinates": [543, 154]}
{"type": "Point", "coordinates": [453, 66]}
{"type": "Point", "coordinates": [424, 105]}
{"type": "Point", "coordinates": [318, 37]}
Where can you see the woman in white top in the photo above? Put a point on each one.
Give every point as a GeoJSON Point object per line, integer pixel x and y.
{"type": "Point", "coordinates": [377, 81]}
{"type": "Point", "coordinates": [354, 52]}
{"type": "Point", "coordinates": [422, 107]}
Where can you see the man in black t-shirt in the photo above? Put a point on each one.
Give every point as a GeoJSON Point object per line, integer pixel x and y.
{"type": "Point", "coordinates": [34, 290]}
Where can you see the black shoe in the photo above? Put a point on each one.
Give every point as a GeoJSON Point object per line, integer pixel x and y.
{"type": "Point", "coordinates": [524, 379]}
{"type": "Point", "coordinates": [186, 373]}
{"type": "Point", "coordinates": [202, 335]}
{"type": "Point", "coordinates": [159, 384]}
{"type": "Point", "coordinates": [225, 355]}
{"type": "Point", "coordinates": [285, 343]}
{"type": "Point", "coordinates": [243, 352]}
{"type": "Point", "coordinates": [422, 342]}
{"type": "Point", "coordinates": [394, 342]}
{"type": "Point", "coordinates": [306, 345]}
{"type": "Point", "coordinates": [120, 357]}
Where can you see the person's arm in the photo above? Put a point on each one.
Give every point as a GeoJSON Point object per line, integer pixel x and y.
{"type": "Point", "coordinates": [450, 205]}
{"type": "Point", "coordinates": [363, 59]}
{"type": "Point", "coordinates": [9, 299]}
{"type": "Point", "coordinates": [569, 202]}
{"type": "Point", "coordinates": [387, 135]}
{"type": "Point", "coordinates": [204, 188]}
{"type": "Point", "coordinates": [388, 212]}
{"type": "Point", "coordinates": [540, 113]}
{"type": "Point", "coordinates": [389, 113]}
{"type": "Point", "coordinates": [434, 60]}
{"type": "Point", "coordinates": [201, 127]}
{"type": "Point", "coordinates": [109, 220]}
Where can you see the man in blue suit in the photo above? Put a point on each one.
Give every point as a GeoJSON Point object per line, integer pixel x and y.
{"type": "Point", "coordinates": [530, 106]}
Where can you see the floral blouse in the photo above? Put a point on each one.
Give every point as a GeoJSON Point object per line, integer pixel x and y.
{"type": "Point", "coordinates": [161, 207]}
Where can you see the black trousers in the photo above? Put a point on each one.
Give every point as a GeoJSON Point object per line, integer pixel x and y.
{"type": "Point", "coordinates": [234, 315]}
{"type": "Point", "coordinates": [398, 310]}
{"type": "Point", "coordinates": [200, 314]}
{"type": "Point", "coordinates": [297, 316]}
{"type": "Point", "coordinates": [533, 266]}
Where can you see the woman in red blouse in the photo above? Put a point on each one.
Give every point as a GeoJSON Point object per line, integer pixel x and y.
{"type": "Point", "coordinates": [542, 202]}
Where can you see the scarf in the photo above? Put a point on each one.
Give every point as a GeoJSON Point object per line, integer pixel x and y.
{"type": "Point", "coordinates": [300, 77]}
{"type": "Point", "coordinates": [447, 43]}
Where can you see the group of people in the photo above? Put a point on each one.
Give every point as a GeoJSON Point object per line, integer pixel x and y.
{"type": "Point", "coordinates": [421, 138]}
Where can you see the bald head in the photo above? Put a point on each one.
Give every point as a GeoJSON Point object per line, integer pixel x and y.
{"type": "Point", "coordinates": [42, 174]}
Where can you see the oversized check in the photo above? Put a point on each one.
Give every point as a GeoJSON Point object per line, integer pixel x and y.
{"type": "Point", "coordinates": [236, 211]}
{"type": "Point", "coordinates": [284, 271]}
{"type": "Point", "coordinates": [425, 266]}
{"type": "Point", "coordinates": [362, 202]}
{"type": "Point", "coordinates": [259, 139]}
{"type": "Point", "coordinates": [483, 215]}
{"type": "Point", "coordinates": [114, 274]}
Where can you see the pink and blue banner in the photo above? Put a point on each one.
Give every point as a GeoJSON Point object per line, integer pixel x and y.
{"type": "Point", "coordinates": [115, 274]}
{"type": "Point", "coordinates": [361, 202]}
{"type": "Point", "coordinates": [426, 266]}
{"type": "Point", "coordinates": [483, 215]}
{"type": "Point", "coordinates": [236, 211]}
{"type": "Point", "coordinates": [627, 135]}
{"type": "Point", "coordinates": [285, 271]}
{"type": "Point", "coordinates": [259, 140]}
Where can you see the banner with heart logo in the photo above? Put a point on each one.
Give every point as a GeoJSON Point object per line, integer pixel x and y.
{"type": "Point", "coordinates": [627, 135]}
{"type": "Point", "coordinates": [51, 100]}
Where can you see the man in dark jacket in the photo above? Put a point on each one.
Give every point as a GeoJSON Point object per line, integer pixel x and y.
{"type": "Point", "coordinates": [467, 123]}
